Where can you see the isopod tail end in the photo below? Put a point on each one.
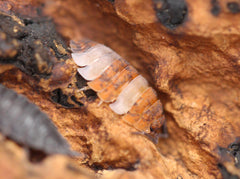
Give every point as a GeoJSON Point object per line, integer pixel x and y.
{"type": "Point", "coordinates": [161, 132]}
{"type": "Point", "coordinates": [157, 136]}
{"type": "Point", "coordinates": [157, 130]}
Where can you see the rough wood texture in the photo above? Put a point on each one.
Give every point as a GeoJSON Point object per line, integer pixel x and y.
{"type": "Point", "coordinates": [188, 50]}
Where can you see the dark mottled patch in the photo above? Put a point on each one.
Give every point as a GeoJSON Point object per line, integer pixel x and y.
{"type": "Point", "coordinates": [26, 124]}
{"type": "Point", "coordinates": [215, 7]}
{"type": "Point", "coordinates": [81, 82]}
{"type": "Point", "coordinates": [91, 95]}
{"type": "Point", "coordinates": [233, 7]}
{"type": "Point", "coordinates": [37, 39]}
{"type": "Point", "coordinates": [131, 166]}
{"type": "Point", "coordinates": [28, 21]}
{"type": "Point", "coordinates": [74, 99]}
{"type": "Point", "coordinates": [9, 48]}
{"type": "Point", "coordinates": [171, 13]}
{"type": "Point", "coordinates": [58, 97]}
{"type": "Point", "coordinates": [12, 25]}
{"type": "Point", "coordinates": [226, 174]}
{"type": "Point", "coordinates": [96, 167]}
{"type": "Point", "coordinates": [112, 1]}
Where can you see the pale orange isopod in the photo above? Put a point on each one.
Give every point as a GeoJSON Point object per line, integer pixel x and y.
{"type": "Point", "coordinates": [118, 83]}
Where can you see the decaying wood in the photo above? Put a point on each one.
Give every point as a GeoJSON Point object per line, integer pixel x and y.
{"type": "Point", "coordinates": [188, 50]}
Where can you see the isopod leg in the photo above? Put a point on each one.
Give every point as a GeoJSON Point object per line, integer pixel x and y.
{"type": "Point", "coordinates": [163, 134]}
{"type": "Point", "coordinates": [100, 103]}
{"type": "Point", "coordinates": [165, 130]}
{"type": "Point", "coordinates": [154, 136]}
{"type": "Point", "coordinates": [85, 88]}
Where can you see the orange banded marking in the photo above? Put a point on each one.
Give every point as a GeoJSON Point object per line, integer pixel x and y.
{"type": "Point", "coordinates": [111, 92]}
{"type": "Point", "coordinates": [145, 101]}
{"type": "Point", "coordinates": [103, 81]}
{"type": "Point", "coordinates": [148, 116]}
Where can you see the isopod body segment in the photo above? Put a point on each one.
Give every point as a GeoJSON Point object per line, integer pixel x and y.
{"type": "Point", "coordinates": [118, 83]}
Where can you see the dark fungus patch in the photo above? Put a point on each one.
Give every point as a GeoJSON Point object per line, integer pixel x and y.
{"type": "Point", "coordinates": [215, 10]}
{"type": "Point", "coordinates": [233, 7]}
{"type": "Point", "coordinates": [34, 43]}
{"type": "Point", "coordinates": [81, 82]}
{"type": "Point", "coordinates": [171, 13]}
{"type": "Point", "coordinates": [91, 95]}
{"type": "Point", "coordinates": [74, 99]}
{"type": "Point", "coordinates": [59, 97]}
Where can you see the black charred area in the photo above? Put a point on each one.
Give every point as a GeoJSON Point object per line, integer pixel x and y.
{"type": "Point", "coordinates": [91, 95]}
{"type": "Point", "coordinates": [74, 99]}
{"type": "Point", "coordinates": [171, 13]}
{"type": "Point", "coordinates": [31, 44]}
{"type": "Point", "coordinates": [215, 8]}
{"type": "Point", "coordinates": [81, 82]}
{"type": "Point", "coordinates": [60, 98]}
{"type": "Point", "coordinates": [233, 7]}
{"type": "Point", "coordinates": [68, 100]}
{"type": "Point", "coordinates": [225, 173]}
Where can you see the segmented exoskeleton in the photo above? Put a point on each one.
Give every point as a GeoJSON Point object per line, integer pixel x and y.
{"type": "Point", "coordinates": [118, 83]}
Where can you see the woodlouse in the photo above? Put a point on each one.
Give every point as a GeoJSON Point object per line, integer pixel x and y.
{"type": "Point", "coordinates": [118, 83]}
{"type": "Point", "coordinates": [26, 124]}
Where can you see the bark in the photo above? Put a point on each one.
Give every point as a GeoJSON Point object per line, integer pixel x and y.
{"type": "Point", "coordinates": [188, 51]}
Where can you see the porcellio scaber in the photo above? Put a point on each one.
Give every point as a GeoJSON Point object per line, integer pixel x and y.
{"type": "Point", "coordinates": [26, 124]}
{"type": "Point", "coordinates": [118, 83]}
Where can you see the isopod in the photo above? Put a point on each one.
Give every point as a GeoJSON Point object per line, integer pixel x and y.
{"type": "Point", "coordinates": [118, 83]}
{"type": "Point", "coordinates": [26, 124]}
